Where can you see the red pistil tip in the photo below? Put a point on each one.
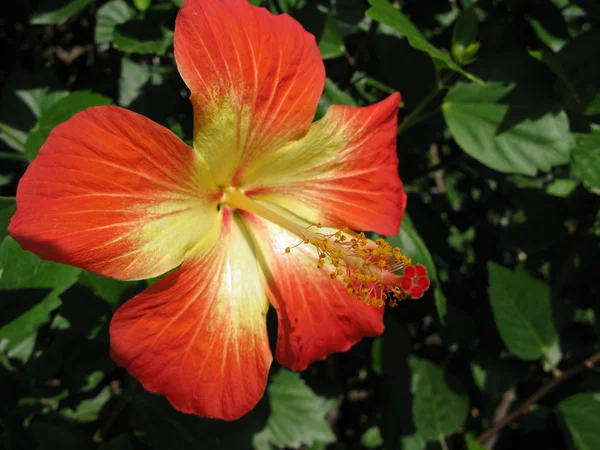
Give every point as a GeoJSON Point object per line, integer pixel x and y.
{"type": "Point", "coordinates": [415, 281]}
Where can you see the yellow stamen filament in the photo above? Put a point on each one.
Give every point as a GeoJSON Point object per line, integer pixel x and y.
{"type": "Point", "coordinates": [364, 266]}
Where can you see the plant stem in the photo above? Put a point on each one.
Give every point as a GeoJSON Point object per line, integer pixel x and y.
{"type": "Point", "coordinates": [415, 116]}
{"type": "Point", "coordinates": [587, 364]}
{"type": "Point", "coordinates": [443, 443]}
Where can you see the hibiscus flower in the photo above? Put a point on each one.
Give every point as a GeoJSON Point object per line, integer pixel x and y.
{"type": "Point", "coordinates": [238, 215]}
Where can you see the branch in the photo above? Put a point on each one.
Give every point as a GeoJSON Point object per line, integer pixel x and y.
{"type": "Point", "coordinates": [587, 364]}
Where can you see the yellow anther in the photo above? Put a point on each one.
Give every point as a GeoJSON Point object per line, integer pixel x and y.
{"type": "Point", "coordinates": [343, 238]}
{"type": "Point", "coordinates": [366, 263]}
{"type": "Point", "coordinates": [379, 242]}
{"type": "Point", "coordinates": [287, 249]}
{"type": "Point", "coordinates": [346, 279]}
{"type": "Point", "coordinates": [382, 263]}
{"type": "Point", "coordinates": [340, 271]}
{"type": "Point", "coordinates": [319, 225]}
{"type": "Point", "coordinates": [333, 274]}
{"type": "Point", "coordinates": [350, 291]}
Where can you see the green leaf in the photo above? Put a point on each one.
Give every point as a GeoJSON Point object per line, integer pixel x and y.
{"type": "Point", "coordinates": [546, 35]}
{"type": "Point", "coordinates": [17, 338]}
{"type": "Point", "coordinates": [371, 438]}
{"type": "Point", "coordinates": [25, 97]}
{"type": "Point", "coordinates": [522, 311]}
{"type": "Point", "coordinates": [333, 95]}
{"type": "Point", "coordinates": [472, 443]}
{"type": "Point", "coordinates": [107, 289]}
{"type": "Point", "coordinates": [88, 410]}
{"type": "Point", "coordinates": [384, 12]}
{"type": "Point", "coordinates": [562, 187]}
{"type": "Point", "coordinates": [580, 59]}
{"type": "Point", "coordinates": [438, 410]}
{"type": "Point", "coordinates": [297, 414]}
{"type": "Point", "coordinates": [585, 156]}
{"type": "Point", "coordinates": [58, 113]}
{"type": "Point", "coordinates": [58, 11]}
{"type": "Point", "coordinates": [31, 292]}
{"type": "Point", "coordinates": [413, 246]}
{"type": "Point", "coordinates": [554, 64]}
{"type": "Point", "coordinates": [133, 78]}
{"type": "Point", "coordinates": [581, 415]}
{"type": "Point", "coordinates": [21, 269]}
{"type": "Point", "coordinates": [505, 130]}
{"type": "Point", "coordinates": [143, 37]}
{"type": "Point", "coordinates": [108, 17]}
{"type": "Point", "coordinates": [8, 207]}
{"type": "Point", "coordinates": [331, 41]}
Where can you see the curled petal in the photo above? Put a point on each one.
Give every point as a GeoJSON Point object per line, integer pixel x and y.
{"type": "Point", "coordinates": [199, 336]}
{"type": "Point", "coordinates": [343, 172]}
{"type": "Point", "coordinates": [255, 80]}
{"type": "Point", "coordinates": [317, 316]}
{"type": "Point", "coordinates": [114, 193]}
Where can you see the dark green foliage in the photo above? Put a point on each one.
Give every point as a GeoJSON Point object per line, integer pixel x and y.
{"type": "Point", "coordinates": [499, 148]}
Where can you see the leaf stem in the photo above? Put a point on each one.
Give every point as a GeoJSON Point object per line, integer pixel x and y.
{"type": "Point", "coordinates": [586, 364]}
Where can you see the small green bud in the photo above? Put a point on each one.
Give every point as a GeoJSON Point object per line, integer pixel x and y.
{"type": "Point", "coordinates": [142, 5]}
{"type": "Point", "coordinates": [464, 37]}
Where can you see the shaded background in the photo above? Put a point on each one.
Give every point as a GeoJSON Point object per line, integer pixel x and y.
{"type": "Point", "coordinates": [499, 143]}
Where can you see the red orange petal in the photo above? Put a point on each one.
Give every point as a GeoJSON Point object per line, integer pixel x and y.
{"type": "Point", "coordinates": [199, 336]}
{"type": "Point", "coordinates": [114, 193]}
{"type": "Point", "coordinates": [343, 172]}
{"type": "Point", "coordinates": [317, 316]}
{"type": "Point", "coordinates": [255, 80]}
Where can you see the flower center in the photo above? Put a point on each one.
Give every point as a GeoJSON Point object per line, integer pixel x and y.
{"type": "Point", "coordinates": [367, 268]}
